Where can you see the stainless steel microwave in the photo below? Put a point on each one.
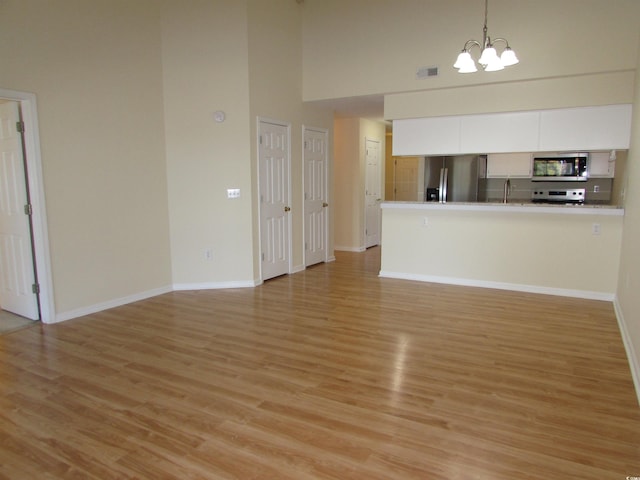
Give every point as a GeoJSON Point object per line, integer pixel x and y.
{"type": "Point", "coordinates": [565, 167]}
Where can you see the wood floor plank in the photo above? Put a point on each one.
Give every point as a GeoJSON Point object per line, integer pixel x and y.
{"type": "Point", "coordinates": [330, 373]}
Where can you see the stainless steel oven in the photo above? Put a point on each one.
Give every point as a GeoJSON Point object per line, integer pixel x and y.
{"type": "Point", "coordinates": [566, 167]}
{"type": "Point", "coordinates": [560, 195]}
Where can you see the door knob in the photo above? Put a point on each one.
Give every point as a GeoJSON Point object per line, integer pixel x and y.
{"type": "Point", "coordinates": [287, 209]}
{"type": "Point", "coordinates": [325, 204]}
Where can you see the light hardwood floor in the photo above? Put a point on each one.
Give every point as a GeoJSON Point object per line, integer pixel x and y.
{"type": "Point", "coordinates": [331, 373]}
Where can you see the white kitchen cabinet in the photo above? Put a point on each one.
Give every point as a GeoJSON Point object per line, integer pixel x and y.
{"type": "Point", "coordinates": [426, 136]}
{"type": "Point", "coordinates": [586, 128]}
{"type": "Point", "coordinates": [509, 165]}
{"type": "Point", "coordinates": [601, 165]}
{"type": "Point", "coordinates": [564, 129]}
{"type": "Point", "coordinates": [500, 132]}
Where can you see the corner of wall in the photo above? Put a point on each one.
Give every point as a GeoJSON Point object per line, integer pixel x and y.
{"type": "Point", "coordinates": [634, 362]}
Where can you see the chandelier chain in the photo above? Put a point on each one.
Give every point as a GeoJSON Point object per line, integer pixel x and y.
{"type": "Point", "coordinates": [484, 30]}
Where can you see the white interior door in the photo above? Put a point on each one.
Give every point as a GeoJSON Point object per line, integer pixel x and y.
{"type": "Point", "coordinates": [17, 275]}
{"type": "Point", "coordinates": [372, 193]}
{"type": "Point", "coordinates": [315, 196]}
{"type": "Point", "coordinates": [275, 216]}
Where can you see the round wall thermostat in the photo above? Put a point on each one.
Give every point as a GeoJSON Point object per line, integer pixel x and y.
{"type": "Point", "coordinates": [219, 116]}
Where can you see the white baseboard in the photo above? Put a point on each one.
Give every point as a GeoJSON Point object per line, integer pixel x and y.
{"type": "Point", "coordinates": [634, 364]}
{"type": "Point", "coordinates": [214, 285]}
{"type": "Point", "coordinates": [562, 292]}
{"type": "Point", "coordinates": [331, 258]}
{"type": "Point", "coordinates": [349, 249]}
{"type": "Point", "coordinates": [117, 302]}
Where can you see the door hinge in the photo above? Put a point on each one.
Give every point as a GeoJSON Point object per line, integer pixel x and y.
{"type": "Point", "coordinates": [263, 256]}
{"type": "Point", "coordinates": [28, 209]}
{"type": "Point", "coordinates": [260, 139]}
{"type": "Point", "coordinates": [35, 288]}
{"type": "Point", "coordinates": [20, 126]}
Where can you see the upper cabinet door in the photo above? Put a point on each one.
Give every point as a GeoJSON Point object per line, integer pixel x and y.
{"type": "Point", "coordinates": [586, 128]}
{"type": "Point", "coordinates": [500, 132]}
{"type": "Point", "coordinates": [509, 165]}
{"type": "Point", "coordinates": [426, 136]}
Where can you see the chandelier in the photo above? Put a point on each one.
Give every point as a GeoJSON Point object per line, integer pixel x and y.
{"type": "Point", "coordinates": [489, 59]}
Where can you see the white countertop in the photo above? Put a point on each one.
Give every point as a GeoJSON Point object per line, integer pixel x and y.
{"type": "Point", "coordinates": [509, 207]}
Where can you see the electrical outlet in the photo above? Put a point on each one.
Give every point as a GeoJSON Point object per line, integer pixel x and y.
{"type": "Point", "coordinates": [596, 188]}
{"type": "Point", "coordinates": [425, 222]}
{"type": "Point", "coordinates": [595, 229]}
{"type": "Point", "coordinates": [233, 192]}
{"type": "Point", "coordinates": [208, 254]}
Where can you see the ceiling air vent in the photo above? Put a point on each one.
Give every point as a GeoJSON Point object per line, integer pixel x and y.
{"type": "Point", "coordinates": [426, 72]}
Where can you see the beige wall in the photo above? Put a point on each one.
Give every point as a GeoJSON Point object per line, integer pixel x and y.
{"type": "Point", "coordinates": [539, 94]}
{"type": "Point", "coordinates": [504, 249]}
{"type": "Point", "coordinates": [628, 304]}
{"type": "Point", "coordinates": [349, 178]}
{"type": "Point", "coordinates": [135, 167]}
{"type": "Point", "coordinates": [96, 69]}
{"type": "Point", "coordinates": [347, 184]}
{"type": "Point", "coordinates": [598, 65]}
{"type": "Point", "coordinates": [275, 73]}
{"type": "Point", "coordinates": [205, 69]}
{"type": "Point", "coordinates": [597, 36]}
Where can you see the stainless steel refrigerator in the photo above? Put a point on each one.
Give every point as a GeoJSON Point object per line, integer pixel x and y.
{"type": "Point", "coordinates": [453, 178]}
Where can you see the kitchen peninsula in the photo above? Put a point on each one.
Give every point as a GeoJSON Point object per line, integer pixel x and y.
{"type": "Point", "coordinates": [570, 250]}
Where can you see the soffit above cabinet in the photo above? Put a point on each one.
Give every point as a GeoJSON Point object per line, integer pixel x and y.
{"type": "Point", "coordinates": [585, 128]}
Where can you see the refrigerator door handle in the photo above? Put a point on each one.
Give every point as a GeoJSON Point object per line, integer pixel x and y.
{"type": "Point", "coordinates": [445, 181]}
{"type": "Point", "coordinates": [440, 191]}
